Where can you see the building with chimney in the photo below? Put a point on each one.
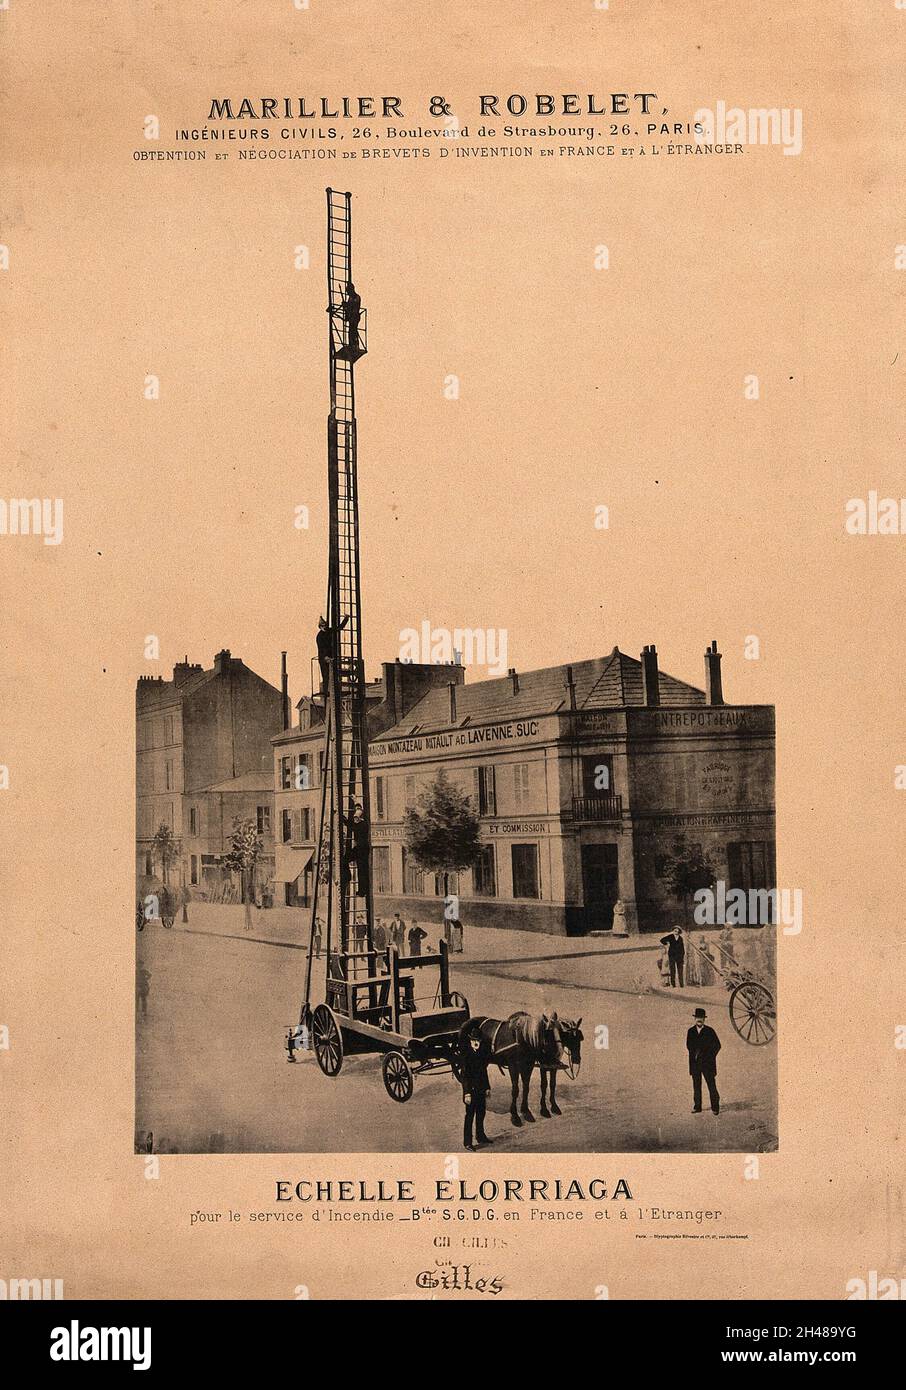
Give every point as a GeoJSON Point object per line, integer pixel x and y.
{"type": "Point", "coordinates": [298, 753]}
{"type": "Point", "coordinates": [203, 756]}
{"type": "Point", "coordinates": [592, 783]}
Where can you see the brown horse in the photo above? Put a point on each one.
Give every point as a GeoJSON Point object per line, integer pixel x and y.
{"type": "Point", "coordinates": [525, 1041]}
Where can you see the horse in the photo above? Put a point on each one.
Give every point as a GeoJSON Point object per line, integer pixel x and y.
{"type": "Point", "coordinates": [525, 1041]}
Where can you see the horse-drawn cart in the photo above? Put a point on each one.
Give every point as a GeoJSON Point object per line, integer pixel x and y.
{"type": "Point", "coordinates": [751, 1006]}
{"type": "Point", "coordinates": [373, 1005]}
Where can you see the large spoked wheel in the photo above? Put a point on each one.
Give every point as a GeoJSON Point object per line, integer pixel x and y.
{"type": "Point", "coordinates": [327, 1039]}
{"type": "Point", "coordinates": [753, 1013]}
{"type": "Point", "coordinates": [397, 1076]}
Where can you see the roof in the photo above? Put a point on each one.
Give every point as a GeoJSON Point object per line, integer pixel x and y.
{"type": "Point", "coordinates": [154, 692]}
{"type": "Point", "coordinates": [608, 682]}
{"type": "Point", "coordinates": [245, 782]}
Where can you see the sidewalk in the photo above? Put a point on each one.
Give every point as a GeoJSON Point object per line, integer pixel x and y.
{"type": "Point", "coordinates": [626, 965]}
{"type": "Point", "coordinates": [289, 926]}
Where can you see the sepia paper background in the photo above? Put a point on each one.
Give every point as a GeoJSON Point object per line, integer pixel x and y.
{"type": "Point", "coordinates": [578, 388]}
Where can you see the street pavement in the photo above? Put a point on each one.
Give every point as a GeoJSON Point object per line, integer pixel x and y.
{"type": "Point", "coordinates": [212, 1073]}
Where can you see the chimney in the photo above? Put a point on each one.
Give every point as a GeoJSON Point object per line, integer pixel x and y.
{"type": "Point", "coordinates": [452, 689]}
{"type": "Point", "coordinates": [184, 670]}
{"type": "Point", "coordinates": [284, 690]}
{"type": "Point", "coordinates": [514, 678]}
{"type": "Point", "coordinates": [222, 661]}
{"type": "Point", "coordinates": [713, 688]}
{"type": "Point", "coordinates": [651, 689]}
{"type": "Point", "coordinates": [571, 687]}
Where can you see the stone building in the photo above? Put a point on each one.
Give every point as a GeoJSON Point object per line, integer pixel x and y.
{"type": "Point", "coordinates": [592, 781]}
{"type": "Point", "coordinates": [210, 816]}
{"type": "Point", "coordinates": [194, 732]}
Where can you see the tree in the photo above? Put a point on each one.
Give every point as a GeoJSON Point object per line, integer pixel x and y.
{"type": "Point", "coordinates": [166, 849]}
{"type": "Point", "coordinates": [443, 833]}
{"type": "Point", "coordinates": [686, 871]}
{"type": "Point", "coordinates": [242, 856]}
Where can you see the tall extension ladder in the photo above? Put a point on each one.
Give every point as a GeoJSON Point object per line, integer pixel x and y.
{"type": "Point", "coordinates": [349, 909]}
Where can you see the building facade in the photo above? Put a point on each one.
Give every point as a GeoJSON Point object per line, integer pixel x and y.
{"type": "Point", "coordinates": [592, 782]}
{"type": "Point", "coordinates": [210, 815]}
{"type": "Point", "coordinates": [195, 732]}
{"type": "Point", "coordinates": [298, 768]}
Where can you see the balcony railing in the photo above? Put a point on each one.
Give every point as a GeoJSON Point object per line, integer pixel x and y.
{"type": "Point", "coordinates": [606, 807]}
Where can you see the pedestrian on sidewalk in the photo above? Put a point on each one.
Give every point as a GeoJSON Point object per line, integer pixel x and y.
{"type": "Point", "coordinates": [474, 1056]}
{"type": "Point", "coordinates": [703, 1045]}
{"type": "Point", "coordinates": [142, 987]}
{"type": "Point", "coordinates": [397, 932]}
{"type": "Point", "coordinates": [416, 937]}
{"type": "Point", "coordinates": [316, 938]}
{"type": "Point", "coordinates": [676, 955]}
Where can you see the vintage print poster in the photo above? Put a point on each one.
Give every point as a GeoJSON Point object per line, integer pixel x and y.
{"type": "Point", "coordinates": [452, 758]}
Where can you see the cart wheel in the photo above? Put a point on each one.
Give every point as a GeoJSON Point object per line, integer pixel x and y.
{"type": "Point", "coordinates": [397, 1076]}
{"type": "Point", "coordinates": [752, 1013]}
{"type": "Point", "coordinates": [327, 1039]}
{"type": "Point", "coordinates": [459, 1001]}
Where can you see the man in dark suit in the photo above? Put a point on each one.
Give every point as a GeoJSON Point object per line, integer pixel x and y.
{"type": "Point", "coordinates": [358, 851]}
{"type": "Point", "coordinates": [703, 1045]}
{"type": "Point", "coordinates": [473, 1060]}
{"type": "Point", "coordinates": [676, 955]}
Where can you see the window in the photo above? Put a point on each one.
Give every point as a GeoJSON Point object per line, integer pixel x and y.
{"type": "Point", "coordinates": [750, 864]}
{"type": "Point", "coordinates": [303, 775]}
{"type": "Point", "coordinates": [168, 728]}
{"type": "Point", "coordinates": [307, 823]}
{"type": "Point", "coordinates": [193, 820]}
{"type": "Point", "coordinates": [168, 775]}
{"type": "Point", "coordinates": [597, 774]}
{"type": "Point", "coordinates": [149, 864]}
{"type": "Point", "coordinates": [411, 795]}
{"type": "Point", "coordinates": [286, 774]}
{"type": "Point", "coordinates": [521, 786]}
{"type": "Point", "coordinates": [380, 864]}
{"type": "Point", "coordinates": [486, 790]}
{"type": "Point", "coordinates": [525, 871]}
{"type": "Point", "coordinates": [413, 878]}
{"type": "Point", "coordinates": [380, 798]}
{"type": "Point", "coordinates": [484, 873]}
{"type": "Point", "coordinates": [264, 820]}
{"type": "Point", "coordinates": [286, 826]}
{"type": "Point", "coordinates": [452, 888]}
{"type": "Point", "coordinates": [193, 868]}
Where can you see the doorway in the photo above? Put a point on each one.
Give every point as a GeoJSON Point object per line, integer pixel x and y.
{"type": "Point", "coordinates": [600, 885]}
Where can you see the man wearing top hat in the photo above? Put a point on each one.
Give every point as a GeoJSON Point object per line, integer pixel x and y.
{"type": "Point", "coordinates": [703, 1045]}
